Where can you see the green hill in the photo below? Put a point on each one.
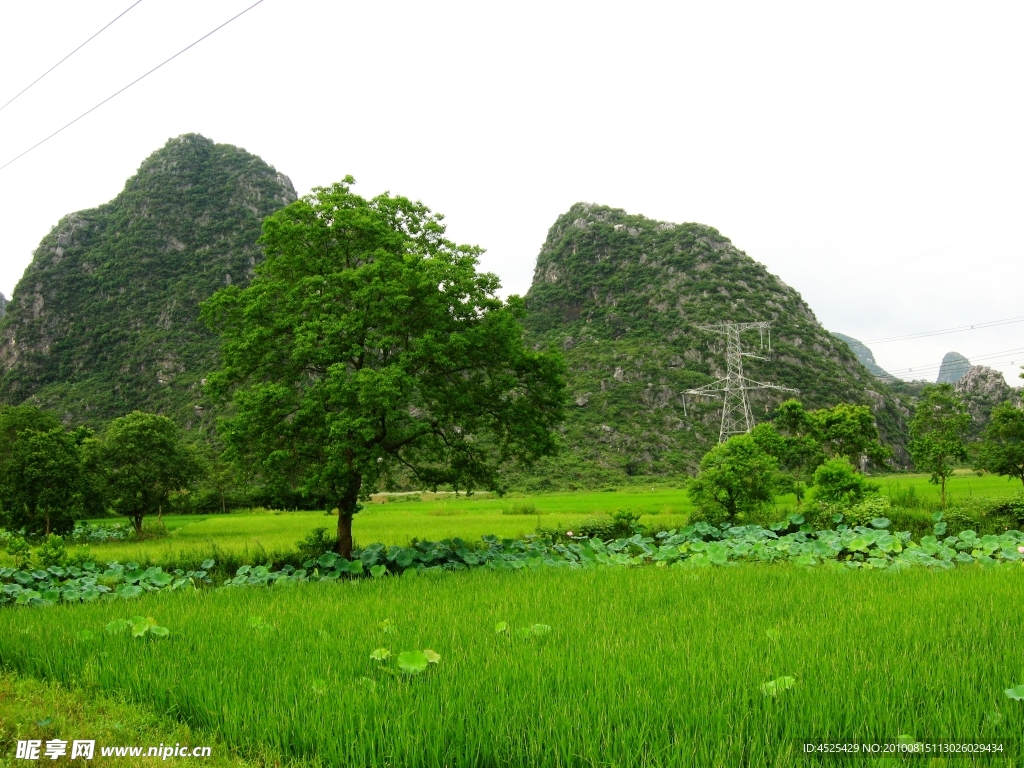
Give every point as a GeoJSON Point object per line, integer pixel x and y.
{"type": "Point", "coordinates": [105, 318]}
{"type": "Point", "coordinates": [622, 296]}
{"type": "Point", "coordinates": [864, 355]}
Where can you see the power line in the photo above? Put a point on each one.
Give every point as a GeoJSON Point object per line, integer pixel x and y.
{"type": "Point", "coordinates": [931, 367]}
{"type": "Point", "coordinates": [133, 82]}
{"type": "Point", "coordinates": [923, 334]}
{"type": "Point", "coordinates": [122, 13]}
{"type": "Point", "coordinates": [912, 258]}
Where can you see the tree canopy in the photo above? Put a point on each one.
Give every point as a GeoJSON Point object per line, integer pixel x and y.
{"type": "Point", "coordinates": [40, 481]}
{"type": "Point", "coordinates": [1002, 449]}
{"type": "Point", "coordinates": [937, 433]}
{"type": "Point", "coordinates": [368, 347]}
{"type": "Point", "coordinates": [143, 461]}
{"type": "Point", "coordinates": [735, 478]}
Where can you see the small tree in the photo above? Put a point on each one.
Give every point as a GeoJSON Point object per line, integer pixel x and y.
{"type": "Point", "coordinates": [735, 478]}
{"type": "Point", "coordinates": [40, 481]}
{"type": "Point", "coordinates": [797, 452]}
{"type": "Point", "coordinates": [367, 347]}
{"type": "Point", "coordinates": [143, 461]}
{"type": "Point", "coordinates": [937, 433]}
{"type": "Point", "coordinates": [837, 482]}
{"type": "Point", "coordinates": [1002, 450]}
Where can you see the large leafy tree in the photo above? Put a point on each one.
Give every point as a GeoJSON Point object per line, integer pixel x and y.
{"type": "Point", "coordinates": [1002, 449]}
{"type": "Point", "coordinates": [937, 433]}
{"type": "Point", "coordinates": [41, 481]}
{"type": "Point", "coordinates": [18, 418]}
{"type": "Point", "coordinates": [369, 347]}
{"type": "Point", "coordinates": [735, 478]}
{"type": "Point", "coordinates": [847, 431]}
{"type": "Point", "coordinates": [144, 460]}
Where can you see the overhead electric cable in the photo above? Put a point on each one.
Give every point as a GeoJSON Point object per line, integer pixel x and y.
{"type": "Point", "coordinates": [133, 82]}
{"type": "Point", "coordinates": [986, 357]}
{"type": "Point", "coordinates": [975, 327]}
{"type": "Point", "coordinates": [122, 13]}
{"type": "Point", "coordinates": [912, 258]}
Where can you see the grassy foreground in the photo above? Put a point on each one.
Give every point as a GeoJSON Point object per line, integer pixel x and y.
{"type": "Point", "coordinates": [658, 667]}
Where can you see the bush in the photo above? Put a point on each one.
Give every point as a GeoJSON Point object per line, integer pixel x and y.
{"type": "Point", "coordinates": [19, 550]}
{"type": "Point", "coordinates": [837, 482]}
{"type": "Point", "coordinates": [984, 515]}
{"type": "Point", "coordinates": [52, 552]}
{"type": "Point", "coordinates": [620, 524]}
{"type": "Point", "coordinates": [319, 542]}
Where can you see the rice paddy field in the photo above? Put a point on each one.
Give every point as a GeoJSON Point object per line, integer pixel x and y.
{"type": "Point", "coordinates": [398, 519]}
{"type": "Point", "coordinates": [646, 666]}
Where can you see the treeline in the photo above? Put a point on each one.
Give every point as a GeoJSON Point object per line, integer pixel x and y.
{"type": "Point", "coordinates": [140, 465]}
{"type": "Point", "coordinates": [825, 453]}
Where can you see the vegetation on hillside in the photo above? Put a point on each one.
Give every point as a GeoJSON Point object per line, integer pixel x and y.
{"type": "Point", "coordinates": [105, 319]}
{"type": "Point", "coordinates": [623, 296]}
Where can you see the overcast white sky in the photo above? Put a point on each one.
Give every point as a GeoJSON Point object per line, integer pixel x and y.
{"type": "Point", "coordinates": [827, 140]}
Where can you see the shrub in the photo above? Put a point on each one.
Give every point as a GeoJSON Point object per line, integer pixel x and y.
{"type": "Point", "coordinates": [837, 482]}
{"type": "Point", "coordinates": [52, 552]}
{"type": "Point", "coordinates": [20, 551]}
{"type": "Point", "coordinates": [319, 542]}
{"type": "Point", "coordinates": [985, 515]}
{"type": "Point", "coordinates": [619, 524]}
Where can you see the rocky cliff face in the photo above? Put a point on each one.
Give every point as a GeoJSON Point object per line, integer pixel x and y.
{"type": "Point", "coordinates": [105, 318]}
{"type": "Point", "coordinates": [864, 355]}
{"type": "Point", "coordinates": [3, 305]}
{"type": "Point", "coordinates": [982, 389]}
{"type": "Point", "coordinates": [954, 366]}
{"type": "Point", "coordinates": [623, 297]}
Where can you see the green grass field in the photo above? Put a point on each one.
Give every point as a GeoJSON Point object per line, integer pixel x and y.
{"type": "Point", "coordinates": [255, 536]}
{"type": "Point", "coordinates": [646, 667]}
{"type": "Point", "coordinates": [652, 667]}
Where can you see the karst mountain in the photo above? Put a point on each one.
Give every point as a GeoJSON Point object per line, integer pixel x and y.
{"type": "Point", "coordinates": [105, 318]}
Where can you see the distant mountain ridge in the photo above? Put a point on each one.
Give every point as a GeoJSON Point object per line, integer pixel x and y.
{"type": "Point", "coordinates": [105, 318]}
{"type": "Point", "coordinates": [952, 369]}
{"type": "Point", "coordinates": [622, 296]}
{"type": "Point", "coordinates": [864, 355]}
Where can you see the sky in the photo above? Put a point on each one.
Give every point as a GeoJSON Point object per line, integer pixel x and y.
{"type": "Point", "coordinates": [869, 153]}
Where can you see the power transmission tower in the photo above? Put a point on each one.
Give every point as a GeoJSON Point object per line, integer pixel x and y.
{"type": "Point", "coordinates": [736, 416]}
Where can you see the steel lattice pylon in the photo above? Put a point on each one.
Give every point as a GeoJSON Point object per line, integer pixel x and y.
{"type": "Point", "coordinates": [736, 416]}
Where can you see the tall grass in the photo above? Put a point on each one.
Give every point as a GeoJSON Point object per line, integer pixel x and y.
{"type": "Point", "coordinates": [651, 667]}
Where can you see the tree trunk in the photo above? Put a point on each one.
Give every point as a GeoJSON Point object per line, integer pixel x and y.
{"type": "Point", "coordinates": [347, 507]}
{"type": "Point", "coordinates": [137, 520]}
{"type": "Point", "coordinates": [47, 525]}
{"type": "Point", "coordinates": [943, 491]}
{"type": "Point", "coordinates": [223, 506]}
{"type": "Point", "coordinates": [344, 545]}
